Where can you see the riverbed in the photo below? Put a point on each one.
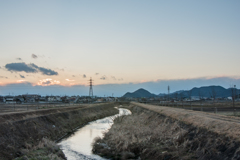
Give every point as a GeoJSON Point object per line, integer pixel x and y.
{"type": "Point", "coordinates": [79, 145]}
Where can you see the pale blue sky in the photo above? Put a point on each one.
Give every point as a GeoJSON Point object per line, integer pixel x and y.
{"type": "Point", "coordinates": [124, 41]}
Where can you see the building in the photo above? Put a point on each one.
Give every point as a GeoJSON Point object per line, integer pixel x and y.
{"type": "Point", "coordinates": [31, 98]}
{"type": "Point", "coordinates": [10, 99]}
{"type": "Point", "coordinates": [2, 99]}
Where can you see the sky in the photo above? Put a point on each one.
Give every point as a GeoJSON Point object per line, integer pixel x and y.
{"type": "Point", "coordinates": [56, 46]}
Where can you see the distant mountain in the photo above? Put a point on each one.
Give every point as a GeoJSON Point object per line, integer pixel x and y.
{"type": "Point", "coordinates": [139, 93]}
{"type": "Point", "coordinates": [206, 91]}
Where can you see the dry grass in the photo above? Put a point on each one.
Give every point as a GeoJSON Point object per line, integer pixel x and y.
{"type": "Point", "coordinates": [45, 150]}
{"type": "Point", "coordinates": [149, 135]}
{"type": "Point", "coordinates": [231, 113]}
{"type": "Point", "coordinates": [18, 131]}
{"type": "Point", "coordinates": [204, 104]}
{"type": "Point", "coordinates": [220, 124]}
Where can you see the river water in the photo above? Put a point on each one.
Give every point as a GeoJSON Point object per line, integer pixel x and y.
{"type": "Point", "coordinates": [79, 145]}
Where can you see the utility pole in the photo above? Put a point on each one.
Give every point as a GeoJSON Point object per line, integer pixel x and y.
{"type": "Point", "coordinates": [234, 94]}
{"type": "Point", "coordinates": [233, 90]}
{"type": "Point", "coordinates": [237, 92]}
{"type": "Point", "coordinates": [168, 92]}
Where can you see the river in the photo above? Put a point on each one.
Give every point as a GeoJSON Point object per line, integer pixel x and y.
{"type": "Point", "coordinates": [79, 145]}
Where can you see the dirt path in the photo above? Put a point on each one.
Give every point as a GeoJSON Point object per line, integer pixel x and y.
{"type": "Point", "coordinates": [39, 110]}
{"type": "Point", "coordinates": [226, 125]}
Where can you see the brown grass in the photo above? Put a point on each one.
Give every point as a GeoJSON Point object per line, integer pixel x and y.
{"type": "Point", "coordinates": [46, 149]}
{"type": "Point", "coordinates": [220, 124]}
{"type": "Point", "coordinates": [150, 135]}
{"type": "Point", "coordinates": [21, 130]}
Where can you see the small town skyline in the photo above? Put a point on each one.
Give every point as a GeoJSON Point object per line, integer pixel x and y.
{"type": "Point", "coordinates": [112, 90]}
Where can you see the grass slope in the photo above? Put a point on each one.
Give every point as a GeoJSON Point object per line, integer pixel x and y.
{"type": "Point", "coordinates": [149, 135]}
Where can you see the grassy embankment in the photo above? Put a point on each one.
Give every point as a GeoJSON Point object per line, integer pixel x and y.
{"type": "Point", "coordinates": [154, 132]}
{"type": "Point", "coordinates": [32, 134]}
{"type": "Point", "coordinates": [223, 108]}
{"type": "Point", "coordinates": [45, 150]}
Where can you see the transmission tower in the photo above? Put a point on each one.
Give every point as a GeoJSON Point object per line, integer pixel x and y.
{"type": "Point", "coordinates": [90, 89]}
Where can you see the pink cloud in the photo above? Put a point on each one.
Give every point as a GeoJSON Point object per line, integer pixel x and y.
{"type": "Point", "coordinates": [69, 80]}
{"type": "Point", "coordinates": [20, 81]}
{"type": "Point", "coordinates": [47, 82]}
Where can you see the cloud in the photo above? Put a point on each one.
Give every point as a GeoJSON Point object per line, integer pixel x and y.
{"type": "Point", "coordinates": [103, 77]}
{"type": "Point", "coordinates": [96, 73]}
{"type": "Point", "coordinates": [3, 77]}
{"type": "Point", "coordinates": [46, 71]}
{"type": "Point", "coordinates": [29, 68]}
{"type": "Point", "coordinates": [19, 59]}
{"type": "Point", "coordinates": [114, 78]}
{"type": "Point", "coordinates": [21, 76]}
{"type": "Point", "coordinates": [34, 56]}
{"type": "Point", "coordinates": [20, 67]}
{"type": "Point", "coordinates": [120, 79]}
{"type": "Point", "coordinates": [84, 76]}
{"type": "Point", "coordinates": [69, 80]}
{"type": "Point", "coordinates": [20, 81]}
{"type": "Point", "coordinates": [47, 82]}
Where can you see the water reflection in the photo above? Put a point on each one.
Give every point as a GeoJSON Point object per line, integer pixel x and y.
{"type": "Point", "coordinates": [78, 146]}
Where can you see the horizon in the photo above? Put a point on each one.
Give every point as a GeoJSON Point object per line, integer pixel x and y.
{"type": "Point", "coordinates": [125, 93]}
{"type": "Point", "coordinates": [55, 47]}
{"type": "Point", "coordinates": [108, 89]}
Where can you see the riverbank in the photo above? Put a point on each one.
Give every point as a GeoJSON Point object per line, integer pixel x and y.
{"type": "Point", "coordinates": [46, 149]}
{"type": "Point", "coordinates": [154, 132]}
{"type": "Point", "coordinates": [79, 145]}
{"type": "Point", "coordinates": [23, 131]}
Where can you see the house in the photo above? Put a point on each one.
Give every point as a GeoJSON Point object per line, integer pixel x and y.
{"type": "Point", "coordinates": [19, 99]}
{"type": "Point", "coordinates": [72, 99]}
{"type": "Point", "coordinates": [58, 99]}
{"type": "Point", "coordinates": [10, 99]}
{"type": "Point", "coordinates": [65, 99]}
{"type": "Point", "coordinates": [51, 98]}
{"type": "Point", "coordinates": [42, 99]}
{"type": "Point", "coordinates": [100, 100]}
{"type": "Point", "coordinates": [36, 96]}
{"type": "Point", "coordinates": [31, 97]}
{"type": "Point", "coordinates": [229, 98]}
{"type": "Point", "coordinates": [54, 99]}
{"type": "Point", "coordinates": [2, 99]}
{"type": "Point", "coordinates": [195, 98]}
